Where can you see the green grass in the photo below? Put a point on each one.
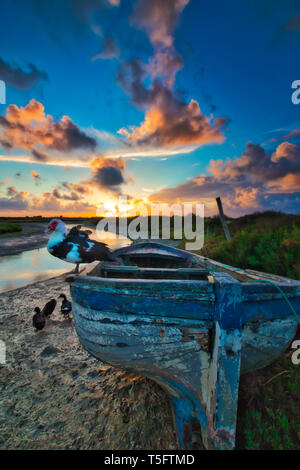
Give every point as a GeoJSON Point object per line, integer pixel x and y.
{"type": "Point", "coordinates": [7, 227]}
{"type": "Point", "coordinates": [267, 242]}
{"type": "Point", "coordinates": [269, 407]}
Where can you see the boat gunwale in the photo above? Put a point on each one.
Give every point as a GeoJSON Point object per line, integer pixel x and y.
{"type": "Point", "coordinates": [83, 279]}
{"type": "Point", "coordinates": [252, 291]}
{"type": "Point", "coordinates": [251, 273]}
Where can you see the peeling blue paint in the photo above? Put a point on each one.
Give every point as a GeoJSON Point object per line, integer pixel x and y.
{"type": "Point", "coordinates": [194, 337]}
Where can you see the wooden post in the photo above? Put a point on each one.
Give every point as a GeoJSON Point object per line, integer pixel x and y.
{"type": "Point", "coordinates": [222, 218]}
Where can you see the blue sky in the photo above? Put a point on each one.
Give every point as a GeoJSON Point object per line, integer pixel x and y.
{"type": "Point", "coordinates": [237, 62]}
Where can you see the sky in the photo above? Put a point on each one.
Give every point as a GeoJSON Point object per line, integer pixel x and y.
{"type": "Point", "coordinates": [158, 101]}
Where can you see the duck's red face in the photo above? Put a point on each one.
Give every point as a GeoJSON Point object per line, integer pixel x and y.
{"type": "Point", "coordinates": [52, 226]}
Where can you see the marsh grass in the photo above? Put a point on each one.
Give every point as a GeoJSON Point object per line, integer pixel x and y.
{"type": "Point", "coordinates": [269, 407]}
{"type": "Point", "coordinates": [268, 242]}
{"type": "Point", "coordinates": [8, 227]}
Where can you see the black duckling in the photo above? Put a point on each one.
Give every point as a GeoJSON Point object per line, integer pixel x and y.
{"type": "Point", "coordinates": [66, 306]}
{"type": "Point", "coordinates": [49, 307]}
{"type": "Point", "coordinates": [39, 319]}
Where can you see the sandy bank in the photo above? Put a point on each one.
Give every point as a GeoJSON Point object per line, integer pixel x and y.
{"type": "Point", "coordinates": [55, 396]}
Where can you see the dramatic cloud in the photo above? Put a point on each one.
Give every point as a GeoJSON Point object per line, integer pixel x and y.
{"type": "Point", "coordinates": [12, 191]}
{"type": "Point", "coordinates": [159, 19]}
{"type": "Point", "coordinates": [169, 121]}
{"type": "Point", "coordinates": [76, 187]}
{"type": "Point", "coordinates": [8, 204]}
{"type": "Point", "coordinates": [30, 129]}
{"type": "Point", "coordinates": [40, 156]}
{"type": "Point", "coordinates": [72, 191]}
{"type": "Point", "coordinates": [16, 200]}
{"type": "Point", "coordinates": [67, 197]}
{"type": "Point", "coordinates": [108, 173]}
{"type": "Point", "coordinates": [256, 166]}
{"type": "Point", "coordinates": [165, 65]}
{"type": "Point", "coordinates": [131, 76]}
{"type": "Point", "coordinates": [54, 205]}
{"type": "Point", "coordinates": [18, 78]}
{"type": "Point", "coordinates": [251, 182]}
{"type": "Point", "coordinates": [54, 202]}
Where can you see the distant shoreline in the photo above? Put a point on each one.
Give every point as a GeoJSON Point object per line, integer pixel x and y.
{"type": "Point", "coordinates": [15, 245]}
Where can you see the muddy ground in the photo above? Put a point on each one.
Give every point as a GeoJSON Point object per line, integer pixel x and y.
{"type": "Point", "coordinates": [53, 395]}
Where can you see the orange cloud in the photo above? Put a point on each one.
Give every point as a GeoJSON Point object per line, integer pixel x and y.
{"type": "Point", "coordinates": [170, 122]}
{"type": "Point", "coordinates": [286, 150]}
{"type": "Point", "coordinates": [289, 183]}
{"type": "Point", "coordinates": [100, 162]}
{"type": "Point", "coordinates": [253, 181]}
{"type": "Point", "coordinates": [31, 129]}
{"type": "Point", "coordinates": [246, 198]}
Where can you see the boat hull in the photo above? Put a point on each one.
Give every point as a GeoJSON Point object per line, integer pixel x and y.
{"type": "Point", "coordinates": [194, 336]}
{"type": "Point", "coordinates": [173, 347]}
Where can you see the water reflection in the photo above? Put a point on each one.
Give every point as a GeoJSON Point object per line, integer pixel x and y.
{"type": "Point", "coordinates": [37, 265]}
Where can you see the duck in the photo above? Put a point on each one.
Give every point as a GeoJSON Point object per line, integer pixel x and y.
{"type": "Point", "coordinates": [66, 306]}
{"type": "Point", "coordinates": [75, 246]}
{"type": "Point", "coordinates": [49, 308]}
{"type": "Point", "coordinates": [39, 318]}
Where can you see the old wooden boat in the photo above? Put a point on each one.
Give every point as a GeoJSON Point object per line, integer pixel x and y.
{"type": "Point", "coordinates": [189, 323]}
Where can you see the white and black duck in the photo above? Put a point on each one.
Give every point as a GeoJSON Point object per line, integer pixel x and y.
{"type": "Point", "coordinates": [66, 306]}
{"type": "Point", "coordinates": [76, 246]}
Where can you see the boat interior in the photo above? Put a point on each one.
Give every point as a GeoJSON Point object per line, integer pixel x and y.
{"type": "Point", "coordinates": [161, 266]}
{"type": "Point", "coordinates": [153, 261]}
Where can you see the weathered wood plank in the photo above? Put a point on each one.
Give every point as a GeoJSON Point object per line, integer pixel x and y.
{"type": "Point", "coordinates": [171, 305]}
{"type": "Point", "coordinates": [224, 372]}
{"type": "Point", "coordinates": [157, 286]}
{"type": "Point", "coordinates": [153, 336]}
{"type": "Point", "coordinates": [264, 341]}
